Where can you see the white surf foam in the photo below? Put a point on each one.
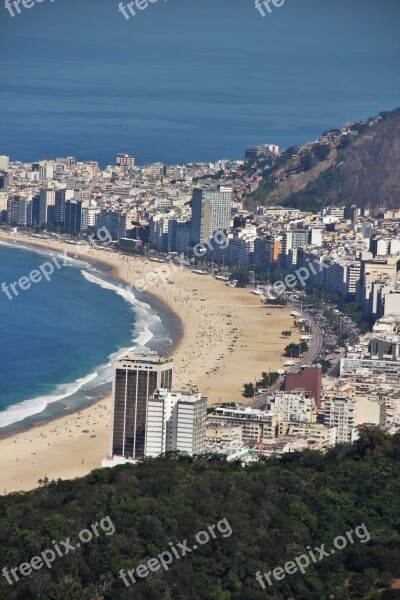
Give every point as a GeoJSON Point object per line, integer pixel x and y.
{"type": "Point", "coordinates": [142, 333]}
{"type": "Point", "coordinates": [145, 317]}
{"type": "Point", "coordinates": [18, 412]}
{"type": "Point", "coordinates": [62, 258]}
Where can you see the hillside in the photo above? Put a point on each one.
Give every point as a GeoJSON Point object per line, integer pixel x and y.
{"type": "Point", "coordinates": [361, 168]}
{"type": "Point", "coordinates": [272, 511]}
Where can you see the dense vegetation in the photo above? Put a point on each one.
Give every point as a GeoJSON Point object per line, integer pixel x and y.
{"type": "Point", "coordinates": [296, 350]}
{"type": "Point", "coordinates": [313, 197]}
{"type": "Point", "coordinates": [275, 508]}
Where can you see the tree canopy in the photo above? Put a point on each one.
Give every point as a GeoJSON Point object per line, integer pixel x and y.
{"type": "Point", "coordinates": [275, 507]}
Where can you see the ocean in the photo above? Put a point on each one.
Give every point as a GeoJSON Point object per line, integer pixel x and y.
{"type": "Point", "coordinates": [57, 338]}
{"type": "Point", "coordinates": [190, 80]}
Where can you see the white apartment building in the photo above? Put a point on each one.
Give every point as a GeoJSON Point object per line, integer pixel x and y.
{"type": "Point", "coordinates": [89, 215]}
{"type": "Point", "coordinates": [175, 421]}
{"type": "Point", "coordinates": [4, 163]}
{"type": "Point", "coordinates": [355, 363]}
{"type": "Point", "coordinates": [340, 411]}
{"type": "Point", "coordinates": [257, 425]}
{"type": "Point", "coordinates": [391, 299]}
{"type": "Point", "coordinates": [241, 246]}
{"type": "Point", "coordinates": [190, 424]}
{"type": "Point", "coordinates": [46, 170]}
{"type": "Point", "coordinates": [317, 236]}
{"type": "Point", "coordinates": [350, 278]}
{"type": "Point", "coordinates": [3, 201]}
{"type": "Point", "coordinates": [296, 405]}
{"type": "Point", "coordinates": [372, 296]}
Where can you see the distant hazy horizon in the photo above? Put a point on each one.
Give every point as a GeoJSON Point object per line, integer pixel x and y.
{"type": "Point", "coordinates": [187, 80]}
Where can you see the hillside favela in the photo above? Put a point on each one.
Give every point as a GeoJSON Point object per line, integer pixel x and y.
{"type": "Point", "coordinates": [200, 356]}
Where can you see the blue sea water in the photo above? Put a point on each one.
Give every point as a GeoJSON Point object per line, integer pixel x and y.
{"type": "Point", "coordinates": [188, 79]}
{"type": "Point", "coordinates": [57, 337]}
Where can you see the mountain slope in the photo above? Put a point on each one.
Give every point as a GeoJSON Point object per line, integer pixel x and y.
{"type": "Point", "coordinates": [363, 168]}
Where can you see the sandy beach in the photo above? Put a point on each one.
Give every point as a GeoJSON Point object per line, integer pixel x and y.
{"type": "Point", "coordinates": [227, 339]}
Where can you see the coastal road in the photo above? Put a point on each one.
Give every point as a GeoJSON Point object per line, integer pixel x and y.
{"type": "Point", "coordinates": [317, 341]}
{"type": "Point", "coordinates": [314, 350]}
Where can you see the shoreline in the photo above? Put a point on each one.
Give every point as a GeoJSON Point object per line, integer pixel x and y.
{"type": "Point", "coordinates": [174, 332]}
{"type": "Point", "coordinates": [99, 261]}
{"type": "Point", "coordinates": [225, 339]}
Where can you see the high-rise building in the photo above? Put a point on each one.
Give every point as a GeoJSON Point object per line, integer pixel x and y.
{"type": "Point", "coordinates": [89, 216]}
{"type": "Point", "coordinates": [136, 378]}
{"type": "Point", "coordinates": [292, 240]}
{"type": "Point", "coordinates": [113, 222]}
{"type": "Point", "coordinates": [73, 216]}
{"type": "Point", "coordinates": [59, 211]}
{"type": "Point", "coordinates": [257, 425]}
{"type": "Point", "coordinates": [373, 269]}
{"type": "Point", "coordinates": [3, 206]}
{"type": "Point", "coordinates": [240, 249]}
{"type": "Point", "coordinates": [175, 421]}
{"type": "Point", "coordinates": [317, 236]}
{"type": "Point", "coordinates": [61, 197]}
{"type": "Point", "coordinates": [19, 211]}
{"type": "Point", "coordinates": [351, 212]}
{"type": "Point", "coordinates": [191, 424]}
{"type": "Point", "coordinates": [340, 411]}
{"type": "Point", "coordinates": [4, 180]}
{"type": "Point", "coordinates": [267, 251]}
{"type": "Point", "coordinates": [36, 209]}
{"type": "Point", "coordinates": [125, 160]}
{"type": "Point", "coordinates": [350, 278]}
{"type": "Point", "coordinates": [178, 235]}
{"type": "Point", "coordinates": [47, 206]}
{"type": "Point", "coordinates": [12, 210]}
{"type": "Point", "coordinates": [45, 170]}
{"type": "Point", "coordinates": [242, 246]}
{"type": "Point", "coordinates": [4, 163]}
{"type": "Point", "coordinates": [25, 211]}
{"type": "Point", "coordinates": [211, 211]}
{"type": "Point", "coordinates": [159, 233]}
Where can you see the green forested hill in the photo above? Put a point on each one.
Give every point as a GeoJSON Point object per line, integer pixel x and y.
{"type": "Point", "coordinates": [275, 509]}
